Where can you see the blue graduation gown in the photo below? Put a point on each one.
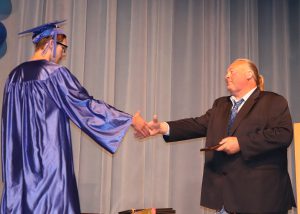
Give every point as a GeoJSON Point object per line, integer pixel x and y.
{"type": "Point", "coordinates": [37, 162]}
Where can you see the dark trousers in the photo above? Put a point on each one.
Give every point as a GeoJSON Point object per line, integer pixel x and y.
{"type": "Point", "coordinates": [224, 211]}
{"type": "Point", "coordinates": [284, 212]}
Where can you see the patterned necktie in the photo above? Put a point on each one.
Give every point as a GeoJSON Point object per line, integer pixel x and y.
{"type": "Point", "coordinates": [233, 113]}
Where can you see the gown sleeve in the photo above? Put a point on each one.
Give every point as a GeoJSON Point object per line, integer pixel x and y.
{"type": "Point", "coordinates": [101, 121]}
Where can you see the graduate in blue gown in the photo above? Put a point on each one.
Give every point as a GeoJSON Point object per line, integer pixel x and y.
{"type": "Point", "coordinates": [40, 97]}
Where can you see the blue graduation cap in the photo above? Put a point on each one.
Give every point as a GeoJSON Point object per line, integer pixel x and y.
{"type": "Point", "coordinates": [49, 29]}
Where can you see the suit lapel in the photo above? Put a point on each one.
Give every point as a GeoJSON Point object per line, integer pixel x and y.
{"type": "Point", "coordinates": [245, 110]}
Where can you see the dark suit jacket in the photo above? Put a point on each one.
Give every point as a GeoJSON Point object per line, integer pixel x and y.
{"type": "Point", "coordinates": [255, 180]}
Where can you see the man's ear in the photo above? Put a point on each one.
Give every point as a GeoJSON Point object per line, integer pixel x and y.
{"type": "Point", "coordinates": [249, 75]}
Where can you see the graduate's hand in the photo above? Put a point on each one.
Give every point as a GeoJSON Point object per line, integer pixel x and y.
{"type": "Point", "coordinates": [140, 126]}
{"type": "Point", "coordinates": [230, 145]}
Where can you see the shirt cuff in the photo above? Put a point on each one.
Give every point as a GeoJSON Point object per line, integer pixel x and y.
{"type": "Point", "coordinates": [168, 129]}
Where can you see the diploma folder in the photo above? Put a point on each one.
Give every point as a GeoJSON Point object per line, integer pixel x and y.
{"type": "Point", "coordinates": [212, 148]}
{"type": "Point", "coordinates": [149, 211]}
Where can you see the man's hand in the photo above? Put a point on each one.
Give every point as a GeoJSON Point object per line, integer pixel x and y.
{"type": "Point", "coordinates": [157, 127]}
{"type": "Point", "coordinates": [230, 145]}
{"type": "Point", "coordinates": [140, 125]}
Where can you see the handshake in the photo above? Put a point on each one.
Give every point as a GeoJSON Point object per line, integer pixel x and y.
{"type": "Point", "coordinates": [152, 128]}
{"type": "Point", "coordinates": [229, 145]}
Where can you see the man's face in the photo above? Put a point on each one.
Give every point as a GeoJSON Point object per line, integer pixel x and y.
{"type": "Point", "coordinates": [237, 77]}
{"type": "Point", "coordinates": [61, 50]}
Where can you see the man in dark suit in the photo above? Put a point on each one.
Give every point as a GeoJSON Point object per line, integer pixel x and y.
{"type": "Point", "coordinates": [247, 135]}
